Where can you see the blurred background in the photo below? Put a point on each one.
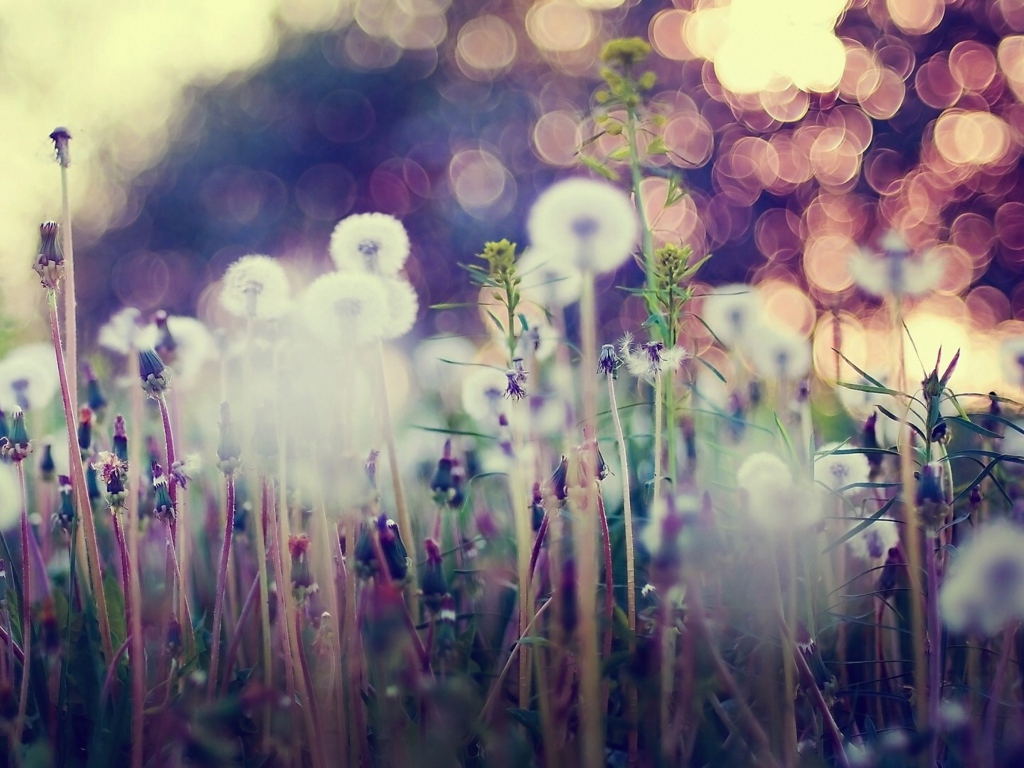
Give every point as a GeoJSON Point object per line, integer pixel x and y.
{"type": "Point", "coordinates": [802, 128]}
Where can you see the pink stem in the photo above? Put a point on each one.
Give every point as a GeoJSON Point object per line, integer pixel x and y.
{"type": "Point", "coordinates": [222, 582]}
{"type": "Point", "coordinates": [94, 564]}
{"type": "Point", "coordinates": [108, 681]}
{"type": "Point", "coordinates": [236, 640]}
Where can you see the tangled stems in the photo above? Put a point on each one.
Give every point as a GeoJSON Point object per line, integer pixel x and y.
{"type": "Point", "coordinates": [222, 582]}
{"type": "Point", "coordinates": [26, 608]}
{"type": "Point", "coordinates": [627, 518]}
{"type": "Point", "coordinates": [586, 541]}
{"type": "Point", "coordinates": [92, 550]}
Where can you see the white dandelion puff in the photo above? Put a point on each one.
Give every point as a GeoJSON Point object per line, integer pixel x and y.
{"type": "Point", "coordinates": [1011, 358]}
{"type": "Point", "coordinates": [646, 361]}
{"type": "Point", "coordinates": [547, 281]}
{"type": "Point", "coordinates": [839, 471]}
{"type": "Point", "coordinates": [119, 332]}
{"type": "Point", "coordinates": [778, 354]}
{"type": "Point", "coordinates": [402, 306]}
{"type": "Point", "coordinates": [732, 311]}
{"type": "Point", "coordinates": [985, 587]}
{"type": "Point", "coordinates": [28, 378]}
{"type": "Point", "coordinates": [346, 308]}
{"type": "Point", "coordinates": [875, 541]}
{"type": "Point", "coordinates": [483, 391]}
{"type": "Point", "coordinates": [256, 287]}
{"type": "Point", "coordinates": [895, 272]}
{"type": "Point", "coordinates": [592, 223]}
{"type": "Point", "coordinates": [370, 242]}
{"type": "Point", "coordinates": [774, 499]}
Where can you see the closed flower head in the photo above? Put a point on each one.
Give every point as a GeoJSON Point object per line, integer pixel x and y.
{"type": "Point", "coordinates": [590, 223]}
{"type": "Point", "coordinates": [370, 242]}
{"type": "Point", "coordinates": [255, 287]}
{"type": "Point", "coordinates": [49, 263]}
{"type": "Point", "coordinates": [349, 308]}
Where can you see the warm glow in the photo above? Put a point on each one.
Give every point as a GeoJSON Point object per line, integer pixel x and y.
{"type": "Point", "coordinates": [767, 46]}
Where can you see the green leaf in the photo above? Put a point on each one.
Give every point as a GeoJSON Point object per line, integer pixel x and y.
{"type": "Point", "coordinates": [970, 426]}
{"type": "Point", "coordinates": [621, 154]}
{"type": "Point", "coordinates": [711, 368]}
{"type": "Point", "coordinates": [598, 167]}
{"type": "Point", "coordinates": [860, 527]}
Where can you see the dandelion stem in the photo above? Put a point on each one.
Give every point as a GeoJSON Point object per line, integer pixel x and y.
{"type": "Point", "coordinates": [136, 657]}
{"type": "Point", "coordinates": [592, 731]}
{"type": "Point", "coordinates": [70, 302]}
{"type": "Point", "coordinates": [935, 654]}
{"type": "Point", "coordinates": [222, 582]}
{"type": "Point", "coordinates": [266, 493]}
{"type": "Point", "coordinates": [94, 563]}
{"type": "Point", "coordinates": [404, 521]}
{"type": "Point", "coordinates": [636, 178]}
{"type": "Point", "coordinates": [627, 518]}
{"type": "Point", "coordinates": [236, 639]}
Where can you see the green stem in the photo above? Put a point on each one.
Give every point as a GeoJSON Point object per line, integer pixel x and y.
{"type": "Point", "coordinates": [647, 239]}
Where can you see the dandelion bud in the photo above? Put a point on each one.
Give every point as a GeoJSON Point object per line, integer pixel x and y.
{"type": "Point", "coordinates": [230, 447]}
{"type": "Point", "coordinates": [163, 507]}
{"type": "Point", "coordinates": [47, 466]}
{"type": "Point", "coordinates": [933, 497]}
{"type": "Point", "coordinates": [65, 514]}
{"type": "Point", "coordinates": [434, 586]}
{"type": "Point", "coordinates": [94, 396]}
{"type": "Point", "coordinates": [154, 374]}
{"type": "Point", "coordinates": [558, 484]}
{"type": "Point", "coordinates": [49, 264]}
{"type": "Point", "coordinates": [120, 442]}
{"type": "Point", "coordinates": [442, 483]}
{"type": "Point", "coordinates": [608, 362]}
{"type": "Point", "coordinates": [92, 481]}
{"type": "Point", "coordinates": [394, 549]}
{"type": "Point", "coordinates": [61, 138]}
{"type": "Point", "coordinates": [303, 584]}
{"type": "Point", "coordinates": [166, 346]}
{"type": "Point", "coordinates": [85, 430]}
{"type": "Point", "coordinates": [445, 638]}
{"type": "Point", "coordinates": [16, 445]}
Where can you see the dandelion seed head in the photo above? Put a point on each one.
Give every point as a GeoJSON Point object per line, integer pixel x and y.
{"type": "Point", "coordinates": [732, 311]}
{"type": "Point", "coordinates": [985, 586]}
{"type": "Point", "coordinates": [346, 308]}
{"type": "Point", "coordinates": [547, 280]}
{"type": "Point", "coordinates": [896, 272]}
{"type": "Point", "coordinates": [483, 389]}
{"type": "Point", "coordinates": [1011, 359]}
{"type": "Point", "coordinates": [28, 378]}
{"type": "Point", "coordinates": [875, 541]}
{"type": "Point", "coordinates": [837, 470]}
{"type": "Point", "coordinates": [778, 354]}
{"type": "Point", "coordinates": [590, 224]}
{"type": "Point", "coordinates": [119, 332]}
{"type": "Point", "coordinates": [774, 500]}
{"type": "Point", "coordinates": [255, 286]}
{"type": "Point", "coordinates": [401, 308]}
{"type": "Point", "coordinates": [370, 242]}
